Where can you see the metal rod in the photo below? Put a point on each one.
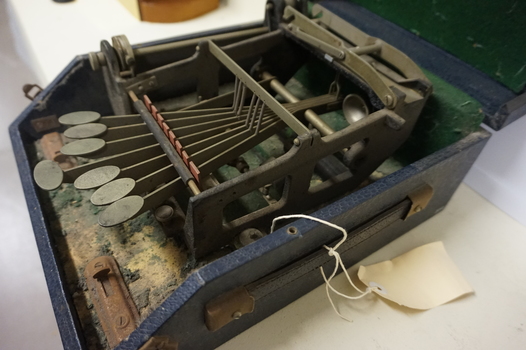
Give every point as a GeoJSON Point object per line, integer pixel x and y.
{"type": "Point", "coordinates": [242, 102]}
{"type": "Point", "coordinates": [238, 96]}
{"type": "Point", "coordinates": [193, 187]}
{"type": "Point", "coordinates": [163, 141]}
{"type": "Point", "coordinates": [252, 100]}
{"type": "Point", "coordinates": [298, 127]}
{"type": "Point", "coordinates": [310, 115]}
{"type": "Point", "coordinates": [260, 116]}
{"type": "Point", "coordinates": [365, 50]}
{"type": "Point", "coordinates": [236, 84]}
{"type": "Point", "coordinates": [252, 117]}
{"type": "Point", "coordinates": [140, 51]}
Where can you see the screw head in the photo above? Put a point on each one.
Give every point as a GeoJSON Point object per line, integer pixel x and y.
{"type": "Point", "coordinates": [297, 142]}
{"type": "Point", "coordinates": [418, 209]}
{"type": "Point", "coordinates": [237, 315]}
{"type": "Point", "coordinates": [121, 321]}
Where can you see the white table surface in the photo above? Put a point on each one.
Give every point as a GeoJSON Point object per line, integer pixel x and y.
{"type": "Point", "coordinates": [487, 245]}
{"type": "Point", "coordinates": [54, 33]}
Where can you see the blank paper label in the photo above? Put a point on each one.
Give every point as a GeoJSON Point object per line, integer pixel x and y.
{"type": "Point", "coordinates": [422, 278]}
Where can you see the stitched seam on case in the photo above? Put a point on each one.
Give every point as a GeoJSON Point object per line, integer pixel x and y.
{"type": "Point", "coordinates": [317, 257]}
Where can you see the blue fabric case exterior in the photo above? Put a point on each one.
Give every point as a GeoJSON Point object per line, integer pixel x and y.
{"type": "Point", "coordinates": [374, 216]}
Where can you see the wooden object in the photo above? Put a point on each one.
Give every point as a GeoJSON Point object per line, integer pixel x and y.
{"type": "Point", "coordinates": [167, 11]}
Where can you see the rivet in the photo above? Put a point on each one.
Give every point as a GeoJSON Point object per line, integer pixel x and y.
{"type": "Point", "coordinates": [237, 315]}
{"type": "Point", "coordinates": [389, 100]}
{"type": "Point", "coordinates": [292, 230]}
{"type": "Point", "coordinates": [418, 208]}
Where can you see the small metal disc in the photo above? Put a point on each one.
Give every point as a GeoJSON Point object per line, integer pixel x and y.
{"type": "Point", "coordinates": [97, 177]}
{"type": "Point", "coordinates": [121, 211]}
{"type": "Point", "coordinates": [78, 118]}
{"type": "Point", "coordinates": [82, 147]}
{"type": "Point", "coordinates": [113, 191]}
{"type": "Point", "coordinates": [85, 131]}
{"type": "Point", "coordinates": [48, 175]}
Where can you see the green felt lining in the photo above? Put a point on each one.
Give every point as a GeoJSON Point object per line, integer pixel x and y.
{"type": "Point", "coordinates": [448, 116]}
{"type": "Point", "coordinates": [488, 35]}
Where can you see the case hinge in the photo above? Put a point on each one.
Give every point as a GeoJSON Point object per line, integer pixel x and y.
{"type": "Point", "coordinates": [228, 307]}
{"type": "Point", "coordinates": [419, 198]}
{"type": "Point", "coordinates": [159, 343]}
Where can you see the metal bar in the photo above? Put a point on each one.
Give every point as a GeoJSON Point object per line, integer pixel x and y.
{"type": "Point", "coordinates": [131, 119]}
{"type": "Point", "coordinates": [214, 139]}
{"type": "Point", "coordinates": [179, 122]}
{"type": "Point", "coordinates": [254, 114]}
{"type": "Point", "coordinates": [203, 154]}
{"type": "Point", "coordinates": [157, 197]}
{"type": "Point", "coordinates": [151, 181]}
{"type": "Point", "coordinates": [136, 171]}
{"type": "Point", "coordinates": [190, 129]}
{"type": "Point", "coordinates": [267, 99]}
{"type": "Point", "coordinates": [161, 138]}
{"type": "Point", "coordinates": [252, 101]}
{"type": "Point", "coordinates": [221, 100]}
{"type": "Point", "coordinates": [365, 50]}
{"type": "Point", "coordinates": [242, 102]}
{"type": "Point", "coordinates": [259, 119]}
{"type": "Point", "coordinates": [142, 51]}
{"type": "Point", "coordinates": [247, 144]}
{"type": "Point", "coordinates": [196, 136]}
{"type": "Point", "coordinates": [123, 145]}
{"type": "Point", "coordinates": [310, 115]}
{"type": "Point", "coordinates": [121, 160]}
{"type": "Point", "coordinates": [320, 44]}
{"type": "Point", "coordinates": [234, 100]}
{"type": "Point", "coordinates": [121, 132]}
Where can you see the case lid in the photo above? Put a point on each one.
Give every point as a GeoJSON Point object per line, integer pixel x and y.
{"type": "Point", "coordinates": [475, 47]}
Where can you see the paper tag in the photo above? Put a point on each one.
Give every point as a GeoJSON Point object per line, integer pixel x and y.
{"type": "Point", "coordinates": [422, 278]}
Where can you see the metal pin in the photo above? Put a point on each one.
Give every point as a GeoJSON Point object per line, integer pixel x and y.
{"type": "Point", "coordinates": [253, 116]}
{"type": "Point", "coordinates": [260, 116]}
{"type": "Point", "coordinates": [242, 102]}
{"type": "Point", "coordinates": [252, 100]}
{"type": "Point", "coordinates": [238, 95]}
{"type": "Point", "coordinates": [235, 93]}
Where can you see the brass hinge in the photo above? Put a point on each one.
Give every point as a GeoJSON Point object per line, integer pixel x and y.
{"type": "Point", "coordinates": [159, 343]}
{"type": "Point", "coordinates": [420, 199]}
{"type": "Point", "coordinates": [228, 307]}
{"type": "Point", "coordinates": [116, 311]}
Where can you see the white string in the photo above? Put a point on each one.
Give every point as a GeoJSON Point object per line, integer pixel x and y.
{"type": "Point", "coordinates": [332, 252]}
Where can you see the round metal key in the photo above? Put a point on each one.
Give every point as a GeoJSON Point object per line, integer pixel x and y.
{"type": "Point", "coordinates": [83, 147]}
{"type": "Point", "coordinates": [78, 118]}
{"type": "Point", "coordinates": [121, 211]}
{"type": "Point", "coordinates": [85, 131]}
{"type": "Point", "coordinates": [113, 191]}
{"type": "Point", "coordinates": [97, 177]}
{"type": "Point", "coordinates": [48, 175]}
